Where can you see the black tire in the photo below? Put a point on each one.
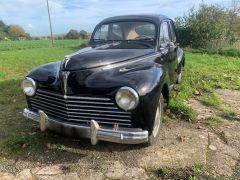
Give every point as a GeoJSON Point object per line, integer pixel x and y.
{"type": "Point", "coordinates": [154, 136]}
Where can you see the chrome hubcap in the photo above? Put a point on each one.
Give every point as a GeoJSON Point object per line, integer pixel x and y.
{"type": "Point", "coordinates": [157, 121]}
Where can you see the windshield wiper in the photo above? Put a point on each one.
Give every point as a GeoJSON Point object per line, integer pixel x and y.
{"type": "Point", "coordinates": [140, 43]}
{"type": "Point", "coordinates": [109, 40]}
{"type": "Point", "coordinates": [99, 40]}
{"type": "Point", "coordinates": [145, 39]}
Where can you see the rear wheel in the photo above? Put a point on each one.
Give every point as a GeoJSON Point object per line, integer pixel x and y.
{"type": "Point", "coordinates": [153, 137]}
{"type": "Point", "coordinates": [179, 78]}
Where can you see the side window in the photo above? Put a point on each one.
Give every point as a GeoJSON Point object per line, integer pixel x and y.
{"type": "Point", "coordinates": [164, 33]}
{"type": "Point", "coordinates": [147, 30]}
{"type": "Point", "coordinates": [117, 33]}
{"type": "Point", "coordinates": [161, 35]}
{"type": "Point", "coordinates": [102, 32]}
{"type": "Point", "coordinates": [173, 33]}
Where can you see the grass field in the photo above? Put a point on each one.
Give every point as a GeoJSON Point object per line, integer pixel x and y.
{"type": "Point", "coordinates": [17, 45]}
{"type": "Point", "coordinates": [203, 73]}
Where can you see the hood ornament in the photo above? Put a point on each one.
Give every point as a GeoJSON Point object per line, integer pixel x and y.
{"type": "Point", "coordinates": [65, 75]}
{"type": "Point", "coordinates": [67, 58]}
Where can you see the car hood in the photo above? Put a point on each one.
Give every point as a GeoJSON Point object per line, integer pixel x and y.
{"type": "Point", "coordinates": [104, 55]}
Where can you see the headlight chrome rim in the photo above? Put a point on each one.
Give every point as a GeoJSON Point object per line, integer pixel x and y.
{"type": "Point", "coordinates": [132, 92]}
{"type": "Point", "coordinates": [33, 84]}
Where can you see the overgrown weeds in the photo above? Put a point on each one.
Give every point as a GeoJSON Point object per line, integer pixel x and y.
{"type": "Point", "coordinates": [190, 173]}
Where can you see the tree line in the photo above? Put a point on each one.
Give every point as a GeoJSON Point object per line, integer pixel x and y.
{"type": "Point", "coordinates": [16, 32]}
{"type": "Point", "coordinates": [209, 26]}
{"type": "Point", "coordinates": [74, 34]}
{"type": "Point", "coordinates": [12, 32]}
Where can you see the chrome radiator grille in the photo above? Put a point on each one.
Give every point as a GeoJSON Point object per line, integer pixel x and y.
{"type": "Point", "coordinates": [80, 109]}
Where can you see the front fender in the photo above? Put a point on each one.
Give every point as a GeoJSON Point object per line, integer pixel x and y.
{"type": "Point", "coordinates": [147, 79]}
{"type": "Point", "coordinates": [141, 77]}
{"type": "Point", "coordinates": [46, 75]}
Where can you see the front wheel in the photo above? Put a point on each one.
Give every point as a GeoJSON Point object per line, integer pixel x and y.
{"type": "Point", "coordinates": [153, 137]}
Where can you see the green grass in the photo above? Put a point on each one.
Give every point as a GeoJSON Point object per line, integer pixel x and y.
{"type": "Point", "coordinates": [209, 99]}
{"type": "Point", "coordinates": [231, 52]}
{"type": "Point", "coordinates": [33, 44]}
{"type": "Point", "coordinates": [211, 121]}
{"type": "Point", "coordinates": [101, 168]}
{"type": "Point", "coordinates": [231, 116]}
{"type": "Point", "coordinates": [204, 73]}
{"type": "Point", "coordinates": [189, 173]}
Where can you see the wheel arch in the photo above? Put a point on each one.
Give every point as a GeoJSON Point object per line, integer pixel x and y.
{"type": "Point", "coordinates": [165, 92]}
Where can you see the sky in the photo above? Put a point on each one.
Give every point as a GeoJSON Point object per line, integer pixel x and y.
{"type": "Point", "coordinates": [85, 14]}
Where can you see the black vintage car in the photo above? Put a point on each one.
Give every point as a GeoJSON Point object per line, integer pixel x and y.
{"type": "Point", "coordinates": [114, 89]}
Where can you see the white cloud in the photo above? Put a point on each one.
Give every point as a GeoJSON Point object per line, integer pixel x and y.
{"type": "Point", "coordinates": [30, 26]}
{"type": "Point", "coordinates": [84, 14]}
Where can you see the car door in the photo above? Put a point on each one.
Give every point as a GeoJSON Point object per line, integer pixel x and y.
{"type": "Point", "coordinates": [168, 50]}
{"type": "Point", "coordinates": [173, 49]}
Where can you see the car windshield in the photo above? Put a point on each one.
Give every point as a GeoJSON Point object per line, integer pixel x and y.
{"type": "Point", "coordinates": [134, 33]}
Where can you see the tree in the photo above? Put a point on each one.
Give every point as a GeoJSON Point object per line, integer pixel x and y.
{"type": "Point", "coordinates": [2, 26]}
{"type": "Point", "coordinates": [2, 30]}
{"type": "Point", "coordinates": [83, 34]}
{"type": "Point", "coordinates": [182, 32]}
{"type": "Point", "coordinates": [233, 22]}
{"type": "Point", "coordinates": [209, 26]}
{"type": "Point", "coordinates": [15, 31]}
{"type": "Point", "coordinates": [206, 25]}
{"type": "Point", "coordinates": [72, 34]}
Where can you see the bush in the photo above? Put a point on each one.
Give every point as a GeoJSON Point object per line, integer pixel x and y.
{"type": "Point", "coordinates": [83, 34]}
{"type": "Point", "coordinates": [72, 34]}
{"type": "Point", "coordinates": [207, 27]}
{"type": "Point", "coordinates": [230, 52]}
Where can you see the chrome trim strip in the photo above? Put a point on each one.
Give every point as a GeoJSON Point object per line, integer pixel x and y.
{"type": "Point", "coordinates": [65, 75]}
{"type": "Point", "coordinates": [75, 102]}
{"type": "Point", "coordinates": [86, 117]}
{"type": "Point", "coordinates": [97, 114]}
{"type": "Point", "coordinates": [130, 61]}
{"type": "Point", "coordinates": [66, 59]}
{"type": "Point", "coordinates": [72, 97]}
{"type": "Point", "coordinates": [94, 132]}
{"type": "Point", "coordinates": [87, 110]}
{"type": "Point", "coordinates": [75, 105]}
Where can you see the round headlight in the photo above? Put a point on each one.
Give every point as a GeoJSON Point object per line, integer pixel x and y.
{"type": "Point", "coordinates": [29, 86]}
{"type": "Point", "coordinates": [127, 98]}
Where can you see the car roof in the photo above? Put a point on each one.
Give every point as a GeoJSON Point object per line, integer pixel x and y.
{"type": "Point", "coordinates": [156, 18]}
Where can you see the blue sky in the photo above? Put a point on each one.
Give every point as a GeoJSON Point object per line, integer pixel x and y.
{"type": "Point", "coordinates": [85, 14]}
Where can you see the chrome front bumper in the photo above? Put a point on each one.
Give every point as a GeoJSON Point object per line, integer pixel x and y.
{"type": "Point", "coordinates": [94, 131]}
